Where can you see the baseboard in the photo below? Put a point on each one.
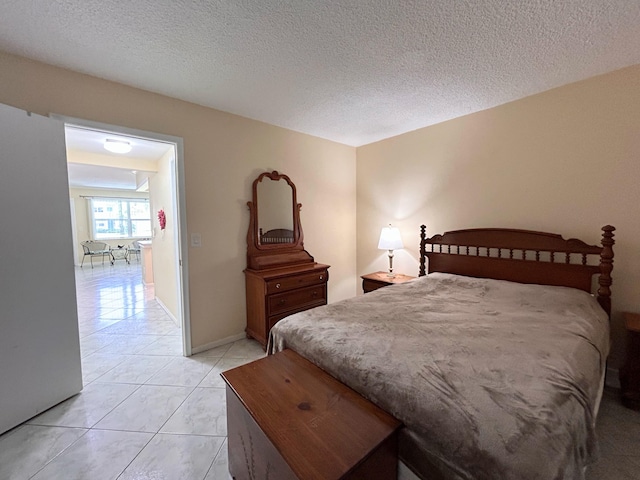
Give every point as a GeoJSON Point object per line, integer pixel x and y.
{"type": "Point", "coordinates": [168, 312]}
{"type": "Point", "coordinates": [613, 378]}
{"type": "Point", "coordinates": [217, 343]}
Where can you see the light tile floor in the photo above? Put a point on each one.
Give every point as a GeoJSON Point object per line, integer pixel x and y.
{"type": "Point", "coordinates": [147, 412]}
{"type": "Point", "coordinates": [618, 431]}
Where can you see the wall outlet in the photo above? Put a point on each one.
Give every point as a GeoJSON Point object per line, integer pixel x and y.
{"type": "Point", "coordinates": [196, 240]}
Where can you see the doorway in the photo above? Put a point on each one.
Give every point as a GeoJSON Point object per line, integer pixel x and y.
{"type": "Point", "coordinates": [152, 171]}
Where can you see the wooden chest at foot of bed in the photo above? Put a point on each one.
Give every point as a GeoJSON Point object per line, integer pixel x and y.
{"type": "Point", "coordinates": [288, 419]}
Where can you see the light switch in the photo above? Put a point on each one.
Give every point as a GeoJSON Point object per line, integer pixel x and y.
{"type": "Point", "coordinates": [196, 240]}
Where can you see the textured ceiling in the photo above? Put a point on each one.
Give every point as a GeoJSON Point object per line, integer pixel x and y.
{"type": "Point", "coordinates": [352, 71]}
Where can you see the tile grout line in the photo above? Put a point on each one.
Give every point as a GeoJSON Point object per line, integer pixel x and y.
{"type": "Point", "coordinates": [107, 331]}
{"type": "Point", "coordinates": [86, 430]}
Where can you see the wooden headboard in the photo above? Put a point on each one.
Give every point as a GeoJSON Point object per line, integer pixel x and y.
{"type": "Point", "coordinates": [521, 256]}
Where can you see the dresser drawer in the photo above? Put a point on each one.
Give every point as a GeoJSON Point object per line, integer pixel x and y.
{"type": "Point", "coordinates": [272, 320]}
{"type": "Point", "coordinates": [303, 297]}
{"type": "Point", "coordinates": [289, 283]}
{"type": "Point", "coordinates": [276, 318]}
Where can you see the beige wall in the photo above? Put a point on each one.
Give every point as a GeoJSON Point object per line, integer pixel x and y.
{"type": "Point", "coordinates": [164, 247]}
{"type": "Point", "coordinates": [565, 161]}
{"type": "Point", "coordinates": [82, 214]}
{"type": "Point", "coordinates": [223, 154]}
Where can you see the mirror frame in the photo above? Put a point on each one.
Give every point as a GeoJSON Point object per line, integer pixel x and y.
{"type": "Point", "coordinates": [274, 255]}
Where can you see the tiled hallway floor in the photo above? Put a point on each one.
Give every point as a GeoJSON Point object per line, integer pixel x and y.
{"type": "Point", "coordinates": [146, 412]}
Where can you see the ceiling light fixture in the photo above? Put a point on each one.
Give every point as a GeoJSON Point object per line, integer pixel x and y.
{"type": "Point", "coordinates": [117, 146]}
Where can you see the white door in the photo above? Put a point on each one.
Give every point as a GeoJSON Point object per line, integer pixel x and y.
{"type": "Point", "coordinates": [39, 345]}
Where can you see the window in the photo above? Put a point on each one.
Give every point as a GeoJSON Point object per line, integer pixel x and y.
{"type": "Point", "coordinates": [120, 218]}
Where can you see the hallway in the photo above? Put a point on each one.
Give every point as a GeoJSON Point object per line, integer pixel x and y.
{"type": "Point", "coordinates": [146, 412]}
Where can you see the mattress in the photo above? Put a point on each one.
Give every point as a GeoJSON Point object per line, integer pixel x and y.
{"type": "Point", "coordinates": [492, 379]}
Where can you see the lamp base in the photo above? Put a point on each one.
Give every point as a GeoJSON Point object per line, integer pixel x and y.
{"type": "Point", "coordinates": [390, 274]}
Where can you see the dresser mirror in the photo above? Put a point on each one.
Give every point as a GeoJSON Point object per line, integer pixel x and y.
{"type": "Point", "coordinates": [275, 235]}
{"type": "Point", "coordinates": [275, 215]}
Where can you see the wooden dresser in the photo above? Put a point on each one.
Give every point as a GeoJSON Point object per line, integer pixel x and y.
{"type": "Point", "coordinates": [282, 278]}
{"type": "Point", "coordinates": [279, 292]}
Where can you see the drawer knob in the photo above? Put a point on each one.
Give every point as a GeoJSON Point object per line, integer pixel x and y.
{"type": "Point", "coordinates": [282, 302]}
{"type": "Point", "coordinates": [320, 277]}
{"type": "Point", "coordinates": [277, 285]}
{"type": "Point", "coordinates": [315, 293]}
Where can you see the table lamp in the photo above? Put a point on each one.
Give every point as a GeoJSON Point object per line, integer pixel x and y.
{"type": "Point", "coordinates": [390, 240]}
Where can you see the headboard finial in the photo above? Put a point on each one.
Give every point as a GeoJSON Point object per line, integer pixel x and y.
{"type": "Point", "coordinates": [423, 251]}
{"type": "Point", "coordinates": [606, 266]}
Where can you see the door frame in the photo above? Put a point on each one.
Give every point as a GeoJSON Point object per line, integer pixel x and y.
{"type": "Point", "coordinates": [74, 231]}
{"type": "Point", "coordinates": [180, 198]}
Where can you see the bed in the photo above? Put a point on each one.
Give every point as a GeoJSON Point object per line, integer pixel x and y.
{"type": "Point", "coordinates": [493, 358]}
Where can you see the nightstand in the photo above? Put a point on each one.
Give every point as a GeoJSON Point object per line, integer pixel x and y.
{"type": "Point", "coordinates": [373, 281]}
{"type": "Point", "coordinates": [630, 371]}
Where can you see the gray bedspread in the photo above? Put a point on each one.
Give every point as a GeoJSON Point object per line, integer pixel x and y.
{"type": "Point", "coordinates": [492, 379]}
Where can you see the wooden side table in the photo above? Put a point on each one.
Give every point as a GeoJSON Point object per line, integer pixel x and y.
{"type": "Point", "coordinates": [630, 371]}
{"type": "Point", "coordinates": [373, 281]}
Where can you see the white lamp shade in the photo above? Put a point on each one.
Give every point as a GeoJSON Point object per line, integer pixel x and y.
{"type": "Point", "coordinates": [390, 239]}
